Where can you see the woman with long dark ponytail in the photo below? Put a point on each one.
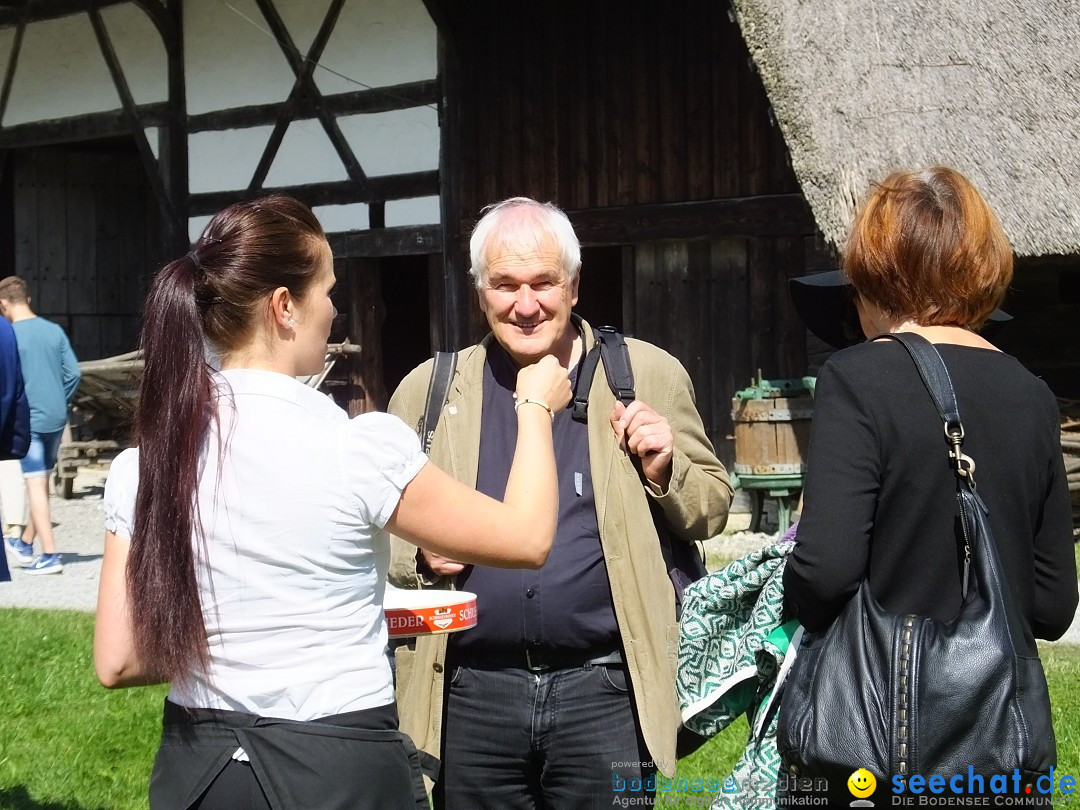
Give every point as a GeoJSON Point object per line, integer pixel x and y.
{"type": "Point", "coordinates": [245, 551]}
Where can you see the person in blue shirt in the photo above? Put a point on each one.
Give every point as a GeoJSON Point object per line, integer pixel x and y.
{"type": "Point", "coordinates": [14, 411]}
{"type": "Point", "coordinates": [50, 375]}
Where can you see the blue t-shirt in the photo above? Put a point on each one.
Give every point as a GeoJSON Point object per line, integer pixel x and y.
{"type": "Point", "coordinates": [50, 372]}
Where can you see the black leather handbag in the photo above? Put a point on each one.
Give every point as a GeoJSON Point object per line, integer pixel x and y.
{"type": "Point", "coordinates": [907, 694]}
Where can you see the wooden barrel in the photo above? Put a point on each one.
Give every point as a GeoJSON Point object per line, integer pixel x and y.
{"type": "Point", "coordinates": [772, 426]}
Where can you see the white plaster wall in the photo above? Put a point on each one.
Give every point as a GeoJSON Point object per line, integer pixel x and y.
{"type": "Point", "coordinates": [394, 142]}
{"type": "Point", "coordinates": [152, 134]}
{"type": "Point", "coordinates": [343, 217]}
{"type": "Point", "coordinates": [418, 211]}
{"type": "Point", "coordinates": [225, 160]}
{"type": "Point", "coordinates": [140, 51]}
{"type": "Point", "coordinates": [196, 225]}
{"type": "Point", "coordinates": [230, 60]}
{"type": "Point", "coordinates": [305, 156]}
{"type": "Point", "coordinates": [377, 43]}
{"type": "Point", "coordinates": [62, 73]}
{"type": "Point", "coordinates": [302, 19]}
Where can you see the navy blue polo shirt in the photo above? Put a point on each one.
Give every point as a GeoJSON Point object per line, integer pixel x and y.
{"type": "Point", "coordinates": [567, 603]}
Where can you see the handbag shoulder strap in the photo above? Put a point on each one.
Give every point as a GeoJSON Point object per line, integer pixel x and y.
{"type": "Point", "coordinates": [935, 377]}
{"type": "Point", "coordinates": [438, 389]}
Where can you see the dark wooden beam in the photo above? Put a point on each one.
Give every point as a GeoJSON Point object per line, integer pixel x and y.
{"type": "Point", "coordinates": [13, 59]}
{"type": "Point", "coordinates": [377, 214]}
{"type": "Point", "coordinates": [442, 15]}
{"type": "Point", "coordinates": [81, 127]}
{"type": "Point", "coordinates": [448, 321]}
{"type": "Point", "coordinates": [173, 137]}
{"type": "Point", "coordinates": [287, 110]}
{"type": "Point", "coordinates": [303, 87]}
{"type": "Point", "coordinates": [771, 215]}
{"type": "Point", "coordinates": [410, 240]}
{"type": "Point", "coordinates": [51, 9]}
{"type": "Point", "coordinates": [381, 99]}
{"type": "Point", "coordinates": [339, 192]}
{"type": "Point", "coordinates": [137, 127]}
{"type": "Point", "coordinates": [304, 74]}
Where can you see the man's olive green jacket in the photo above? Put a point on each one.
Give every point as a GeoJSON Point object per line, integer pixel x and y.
{"type": "Point", "coordinates": [695, 507]}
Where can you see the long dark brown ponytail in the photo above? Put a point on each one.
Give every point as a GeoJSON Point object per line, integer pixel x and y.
{"type": "Point", "coordinates": [211, 298]}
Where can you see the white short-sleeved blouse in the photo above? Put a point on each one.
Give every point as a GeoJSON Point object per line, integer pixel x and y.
{"type": "Point", "coordinates": [294, 565]}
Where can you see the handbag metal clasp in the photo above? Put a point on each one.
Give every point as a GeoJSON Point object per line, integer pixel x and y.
{"type": "Point", "coordinates": [961, 462]}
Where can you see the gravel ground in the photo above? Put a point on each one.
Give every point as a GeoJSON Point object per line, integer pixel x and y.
{"type": "Point", "coordinates": [78, 525]}
{"type": "Point", "coordinates": [79, 533]}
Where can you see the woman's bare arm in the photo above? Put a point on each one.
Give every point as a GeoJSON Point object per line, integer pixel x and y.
{"type": "Point", "coordinates": [115, 660]}
{"type": "Point", "coordinates": [446, 517]}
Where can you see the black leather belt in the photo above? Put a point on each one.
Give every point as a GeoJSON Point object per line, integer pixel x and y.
{"type": "Point", "coordinates": [536, 659]}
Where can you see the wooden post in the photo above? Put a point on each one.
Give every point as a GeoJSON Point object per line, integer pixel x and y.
{"type": "Point", "coordinates": [173, 136]}
{"type": "Point", "coordinates": [365, 314]}
{"type": "Point", "coordinates": [448, 317]}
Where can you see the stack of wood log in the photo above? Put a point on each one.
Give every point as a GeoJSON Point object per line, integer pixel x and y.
{"type": "Point", "coordinates": [1070, 446]}
{"type": "Point", "coordinates": [103, 409]}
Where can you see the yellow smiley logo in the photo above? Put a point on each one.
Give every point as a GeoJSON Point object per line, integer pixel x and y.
{"type": "Point", "coordinates": [861, 783]}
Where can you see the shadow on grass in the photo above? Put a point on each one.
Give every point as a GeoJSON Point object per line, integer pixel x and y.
{"type": "Point", "coordinates": [18, 798]}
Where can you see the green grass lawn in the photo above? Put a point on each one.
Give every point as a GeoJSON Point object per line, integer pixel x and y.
{"type": "Point", "coordinates": [68, 744]}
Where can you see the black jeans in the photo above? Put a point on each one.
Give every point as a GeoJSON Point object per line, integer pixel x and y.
{"type": "Point", "coordinates": [558, 739]}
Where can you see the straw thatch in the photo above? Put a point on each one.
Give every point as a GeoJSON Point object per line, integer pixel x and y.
{"type": "Point", "coordinates": [862, 87]}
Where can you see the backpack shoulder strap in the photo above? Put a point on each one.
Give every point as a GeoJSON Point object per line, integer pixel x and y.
{"type": "Point", "coordinates": [616, 357]}
{"type": "Point", "coordinates": [683, 561]}
{"type": "Point", "coordinates": [442, 371]}
{"type": "Point", "coordinates": [611, 347]}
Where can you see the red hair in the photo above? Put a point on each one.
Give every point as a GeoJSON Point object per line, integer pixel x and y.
{"type": "Point", "coordinates": [925, 246]}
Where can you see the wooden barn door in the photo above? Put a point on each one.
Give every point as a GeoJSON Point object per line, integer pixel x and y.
{"type": "Point", "coordinates": [384, 306]}
{"type": "Point", "coordinates": [722, 307]}
{"type": "Point", "coordinates": [86, 237]}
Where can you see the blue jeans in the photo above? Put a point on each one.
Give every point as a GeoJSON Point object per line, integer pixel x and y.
{"type": "Point", "coordinates": [558, 739]}
{"type": "Point", "coordinates": [41, 457]}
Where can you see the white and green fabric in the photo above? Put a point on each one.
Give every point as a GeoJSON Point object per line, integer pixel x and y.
{"type": "Point", "coordinates": [732, 644]}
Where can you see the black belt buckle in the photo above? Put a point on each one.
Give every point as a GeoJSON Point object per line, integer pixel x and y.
{"type": "Point", "coordinates": [535, 666]}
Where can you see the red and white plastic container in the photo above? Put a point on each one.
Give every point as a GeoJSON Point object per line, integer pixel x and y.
{"type": "Point", "coordinates": [420, 613]}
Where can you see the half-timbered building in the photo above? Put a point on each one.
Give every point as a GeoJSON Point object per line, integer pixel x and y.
{"type": "Point", "coordinates": [706, 151]}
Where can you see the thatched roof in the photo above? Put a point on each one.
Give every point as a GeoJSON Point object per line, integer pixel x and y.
{"type": "Point", "coordinates": [991, 87]}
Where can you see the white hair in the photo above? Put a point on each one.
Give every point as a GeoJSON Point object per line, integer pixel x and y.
{"type": "Point", "coordinates": [522, 224]}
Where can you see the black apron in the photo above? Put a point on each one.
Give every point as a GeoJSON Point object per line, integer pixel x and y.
{"type": "Point", "coordinates": [333, 763]}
